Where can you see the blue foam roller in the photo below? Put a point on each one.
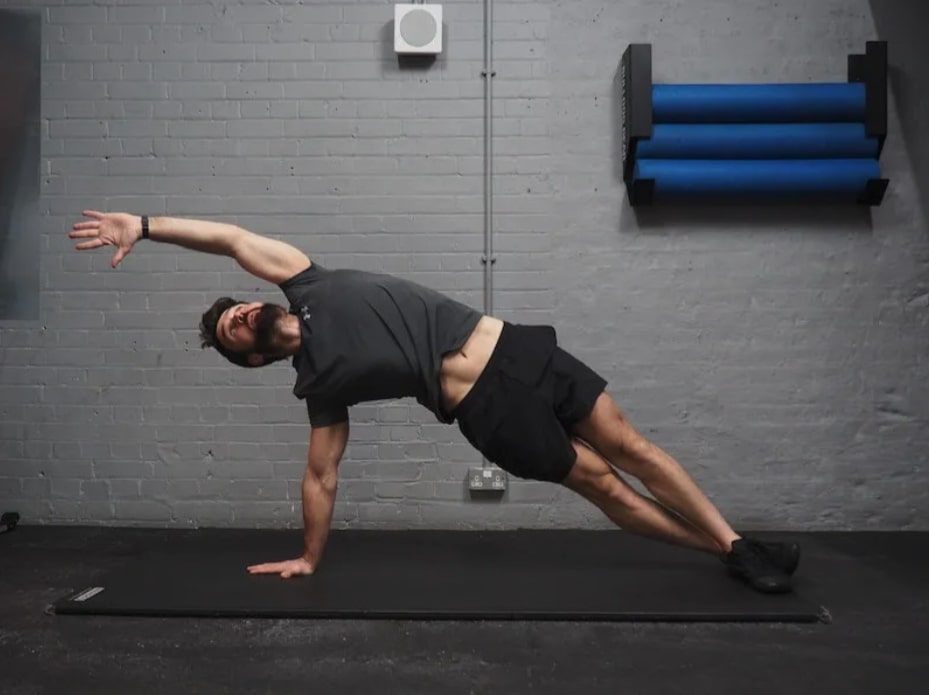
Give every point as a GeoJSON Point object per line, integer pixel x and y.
{"type": "Point", "coordinates": [758, 103]}
{"type": "Point", "coordinates": [767, 141]}
{"type": "Point", "coordinates": [696, 178]}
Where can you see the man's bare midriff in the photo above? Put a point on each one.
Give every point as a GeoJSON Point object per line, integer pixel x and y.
{"type": "Point", "coordinates": [460, 369]}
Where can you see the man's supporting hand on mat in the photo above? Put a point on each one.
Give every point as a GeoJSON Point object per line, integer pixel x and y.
{"type": "Point", "coordinates": [320, 482]}
{"type": "Point", "coordinates": [287, 569]}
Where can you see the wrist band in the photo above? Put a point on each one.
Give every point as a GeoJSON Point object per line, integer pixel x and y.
{"type": "Point", "coordinates": [145, 226]}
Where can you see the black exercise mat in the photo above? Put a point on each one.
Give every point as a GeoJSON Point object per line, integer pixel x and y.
{"type": "Point", "coordinates": [522, 575]}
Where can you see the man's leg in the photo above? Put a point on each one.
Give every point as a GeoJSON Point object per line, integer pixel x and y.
{"type": "Point", "coordinates": [596, 481]}
{"type": "Point", "coordinates": [608, 432]}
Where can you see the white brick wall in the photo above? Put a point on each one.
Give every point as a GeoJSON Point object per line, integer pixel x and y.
{"type": "Point", "coordinates": [781, 355]}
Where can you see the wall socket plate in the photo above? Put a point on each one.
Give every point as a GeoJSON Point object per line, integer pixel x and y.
{"type": "Point", "coordinates": [487, 479]}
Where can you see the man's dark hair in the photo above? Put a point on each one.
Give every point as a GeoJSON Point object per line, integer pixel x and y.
{"type": "Point", "coordinates": [208, 325]}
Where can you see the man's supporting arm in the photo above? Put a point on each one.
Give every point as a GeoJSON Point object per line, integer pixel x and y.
{"type": "Point", "coordinates": [320, 483]}
{"type": "Point", "coordinates": [327, 444]}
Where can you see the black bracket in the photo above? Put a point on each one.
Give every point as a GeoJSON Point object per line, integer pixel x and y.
{"type": "Point", "coordinates": [636, 96]}
{"type": "Point", "coordinates": [871, 68]}
{"type": "Point", "coordinates": [873, 193]}
{"type": "Point", "coordinates": [641, 191]}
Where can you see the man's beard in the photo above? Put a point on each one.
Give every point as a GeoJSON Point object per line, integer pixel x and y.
{"type": "Point", "coordinates": [267, 329]}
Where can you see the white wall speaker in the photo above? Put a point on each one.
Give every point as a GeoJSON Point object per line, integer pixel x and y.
{"type": "Point", "coordinates": [418, 29]}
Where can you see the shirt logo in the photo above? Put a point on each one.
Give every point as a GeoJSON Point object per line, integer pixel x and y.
{"type": "Point", "coordinates": [305, 313]}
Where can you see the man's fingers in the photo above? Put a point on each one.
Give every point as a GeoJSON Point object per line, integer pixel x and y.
{"type": "Point", "coordinates": [86, 225]}
{"type": "Point", "coordinates": [118, 256]}
{"type": "Point", "coordinates": [93, 213]}
{"type": "Point", "coordinates": [84, 233]}
{"type": "Point", "coordinates": [285, 569]}
{"type": "Point", "coordinates": [94, 244]}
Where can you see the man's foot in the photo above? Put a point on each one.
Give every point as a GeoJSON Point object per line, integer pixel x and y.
{"type": "Point", "coordinates": [751, 562]}
{"type": "Point", "coordinates": [785, 556]}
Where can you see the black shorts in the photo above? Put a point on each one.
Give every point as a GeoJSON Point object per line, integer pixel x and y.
{"type": "Point", "coordinates": [522, 409]}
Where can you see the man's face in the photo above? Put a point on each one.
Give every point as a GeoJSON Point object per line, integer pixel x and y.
{"type": "Point", "coordinates": [251, 328]}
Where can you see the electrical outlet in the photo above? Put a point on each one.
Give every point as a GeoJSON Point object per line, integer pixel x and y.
{"type": "Point", "coordinates": [487, 479]}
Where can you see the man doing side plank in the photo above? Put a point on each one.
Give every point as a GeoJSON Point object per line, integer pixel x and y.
{"type": "Point", "coordinates": [520, 399]}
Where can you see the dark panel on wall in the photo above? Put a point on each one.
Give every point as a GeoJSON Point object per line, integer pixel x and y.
{"type": "Point", "coordinates": [20, 67]}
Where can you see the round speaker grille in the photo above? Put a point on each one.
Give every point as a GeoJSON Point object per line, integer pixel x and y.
{"type": "Point", "coordinates": [417, 28]}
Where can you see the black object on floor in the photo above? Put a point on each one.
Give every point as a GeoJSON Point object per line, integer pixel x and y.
{"type": "Point", "coordinates": [8, 521]}
{"type": "Point", "coordinates": [526, 575]}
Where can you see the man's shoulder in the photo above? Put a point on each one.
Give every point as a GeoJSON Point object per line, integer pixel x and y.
{"type": "Point", "coordinates": [307, 275]}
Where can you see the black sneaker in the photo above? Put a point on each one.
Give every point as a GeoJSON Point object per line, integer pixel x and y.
{"type": "Point", "coordinates": [785, 556]}
{"type": "Point", "coordinates": [749, 561]}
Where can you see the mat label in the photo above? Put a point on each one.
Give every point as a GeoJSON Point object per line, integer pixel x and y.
{"type": "Point", "coordinates": [90, 593]}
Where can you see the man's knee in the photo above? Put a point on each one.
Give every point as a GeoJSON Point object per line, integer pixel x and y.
{"type": "Point", "coordinates": [592, 476]}
{"type": "Point", "coordinates": [637, 447]}
{"type": "Point", "coordinates": [610, 432]}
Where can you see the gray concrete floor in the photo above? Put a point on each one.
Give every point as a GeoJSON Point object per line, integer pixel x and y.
{"type": "Point", "coordinates": [875, 585]}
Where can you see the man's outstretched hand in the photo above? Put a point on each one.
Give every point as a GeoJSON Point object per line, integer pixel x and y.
{"type": "Point", "coordinates": [108, 229]}
{"type": "Point", "coordinates": [287, 569]}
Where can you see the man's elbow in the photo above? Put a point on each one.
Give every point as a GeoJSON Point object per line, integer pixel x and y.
{"type": "Point", "coordinates": [236, 241]}
{"type": "Point", "coordinates": [321, 480]}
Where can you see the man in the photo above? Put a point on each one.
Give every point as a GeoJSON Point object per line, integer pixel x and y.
{"type": "Point", "coordinates": [526, 404]}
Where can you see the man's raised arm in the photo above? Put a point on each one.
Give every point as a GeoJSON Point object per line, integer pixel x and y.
{"type": "Point", "coordinates": [269, 259]}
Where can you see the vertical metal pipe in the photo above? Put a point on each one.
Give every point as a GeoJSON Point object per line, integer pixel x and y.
{"type": "Point", "coordinates": [488, 74]}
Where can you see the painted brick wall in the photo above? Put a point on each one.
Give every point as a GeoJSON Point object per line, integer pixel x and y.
{"type": "Point", "coordinates": [780, 355]}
